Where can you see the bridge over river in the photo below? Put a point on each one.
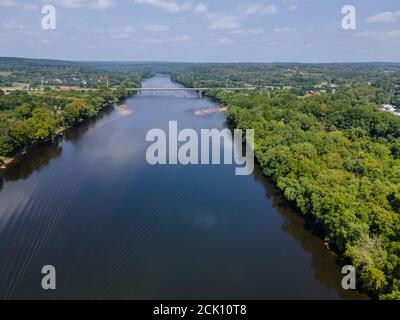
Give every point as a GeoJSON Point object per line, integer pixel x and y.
{"type": "Point", "coordinates": [154, 90]}
{"type": "Point", "coordinates": [186, 89]}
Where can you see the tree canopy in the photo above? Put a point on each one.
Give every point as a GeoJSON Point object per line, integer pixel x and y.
{"type": "Point", "coordinates": [336, 156]}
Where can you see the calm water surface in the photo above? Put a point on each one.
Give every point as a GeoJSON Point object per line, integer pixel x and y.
{"type": "Point", "coordinates": [116, 227]}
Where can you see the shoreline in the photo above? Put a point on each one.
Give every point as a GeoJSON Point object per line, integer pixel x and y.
{"type": "Point", "coordinates": [5, 163]}
{"type": "Point", "coordinates": [309, 220]}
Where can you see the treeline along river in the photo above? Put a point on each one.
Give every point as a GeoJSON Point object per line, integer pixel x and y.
{"type": "Point", "coordinates": [115, 227]}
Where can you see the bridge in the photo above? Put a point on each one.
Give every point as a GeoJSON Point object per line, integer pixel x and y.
{"type": "Point", "coordinates": [154, 90]}
{"type": "Point", "coordinates": [185, 89]}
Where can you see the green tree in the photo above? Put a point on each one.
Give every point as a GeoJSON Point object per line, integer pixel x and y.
{"type": "Point", "coordinates": [23, 111]}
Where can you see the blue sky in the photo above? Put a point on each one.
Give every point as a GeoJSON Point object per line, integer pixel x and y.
{"type": "Point", "coordinates": [202, 30]}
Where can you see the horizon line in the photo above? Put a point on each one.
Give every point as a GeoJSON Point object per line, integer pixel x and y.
{"type": "Point", "coordinates": [204, 62]}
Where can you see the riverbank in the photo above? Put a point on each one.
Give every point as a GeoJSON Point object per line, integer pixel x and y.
{"type": "Point", "coordinates": [6, 162]}
{"type": "Point", "coordinates": [310, 165]}
{"type": "Point", "coordinates": [311, 222]}
{"type": "Point", "coordinates": [313, 226]}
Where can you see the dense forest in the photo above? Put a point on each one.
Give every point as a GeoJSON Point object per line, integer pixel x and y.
{"type": "Point", "coordinates": [337, 158]}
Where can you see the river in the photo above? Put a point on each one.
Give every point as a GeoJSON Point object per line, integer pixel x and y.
{"type": "Point", "coordinates": [115, 227]}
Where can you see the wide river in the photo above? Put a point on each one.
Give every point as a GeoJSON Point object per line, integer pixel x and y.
{"type": "Point", "coordinates": [116, 227]}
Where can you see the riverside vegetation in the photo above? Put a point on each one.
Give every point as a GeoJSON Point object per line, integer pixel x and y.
{"type": "Point", "coordinates": [27, 119]}
{"type": "Point", "coordinates": [337, 157]}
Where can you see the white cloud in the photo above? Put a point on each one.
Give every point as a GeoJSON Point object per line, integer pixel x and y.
{"type": "Point", "coordinates": [129, 31]}
{"type": "Point", "coordinates": [225, 42]}
{"type": "Point", "coordinates": [20, 28]}
{"type": "Point", "coordinates": [219, 22]}
{"type": "Point", "coordinates": [171, 6]}
{"type": "Point", "coordinates": [17, 4]}
{"type": "Point", "coordinates": [284, 30]}
{"type": "Point", "coordinates": [121, 32]}
{"type": "Point", "coordinates": [95, 4]}
{"type": "Point", "coordinates": [256, 31]}
{"type": "Point", "coordinates": [8, 3]}
{"type": "Point", "coordinates": [200, 8]}
{"type": "Point", "coordinates": [11, 25]}
{"type": "Point", "coordinates": [269, 10]}
{"type": "Point", "coordinates": [156, 28]}
{"type": "Point", "coordinates": [380, 35]}
{"type": "Point", "coordinates": [258, 9]}
{"type": "Point", "coordinates": [152, 40]}
{"type": "Point", "coordinates": [177, 39]}
{"type": "Point", "coordinates": [233, 22]}
{"type": "Point", "coordinates": [384, 17]}
{"type": "Point", "coordinates": [183, 38]}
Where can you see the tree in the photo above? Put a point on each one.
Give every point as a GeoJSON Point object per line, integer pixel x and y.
{"type": "Point", "coordinates": [43, 125]}
{"type": "Point", "coordinates": [374, 279]}
{"type": "Point", "coordinates": [5, 145]}
{"type": "Point", "coordinates": [120, 92]}
{"type": "Point", "coordinates": [73, 111]}
{"type": "Point", "coordinates": [23, 111]}
{"type": "Point", "coordinates": [20, 135]}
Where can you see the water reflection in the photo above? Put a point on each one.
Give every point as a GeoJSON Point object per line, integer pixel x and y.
{"type": "Point", "coordinates": [40, 156]}
{"type": "Point", "coordinates": [325, 263]}
{"type": "Point", "coordinates": [30, 162]}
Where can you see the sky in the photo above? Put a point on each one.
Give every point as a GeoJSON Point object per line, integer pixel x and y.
{"type": "Point", "coordinates": [202, 30]}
